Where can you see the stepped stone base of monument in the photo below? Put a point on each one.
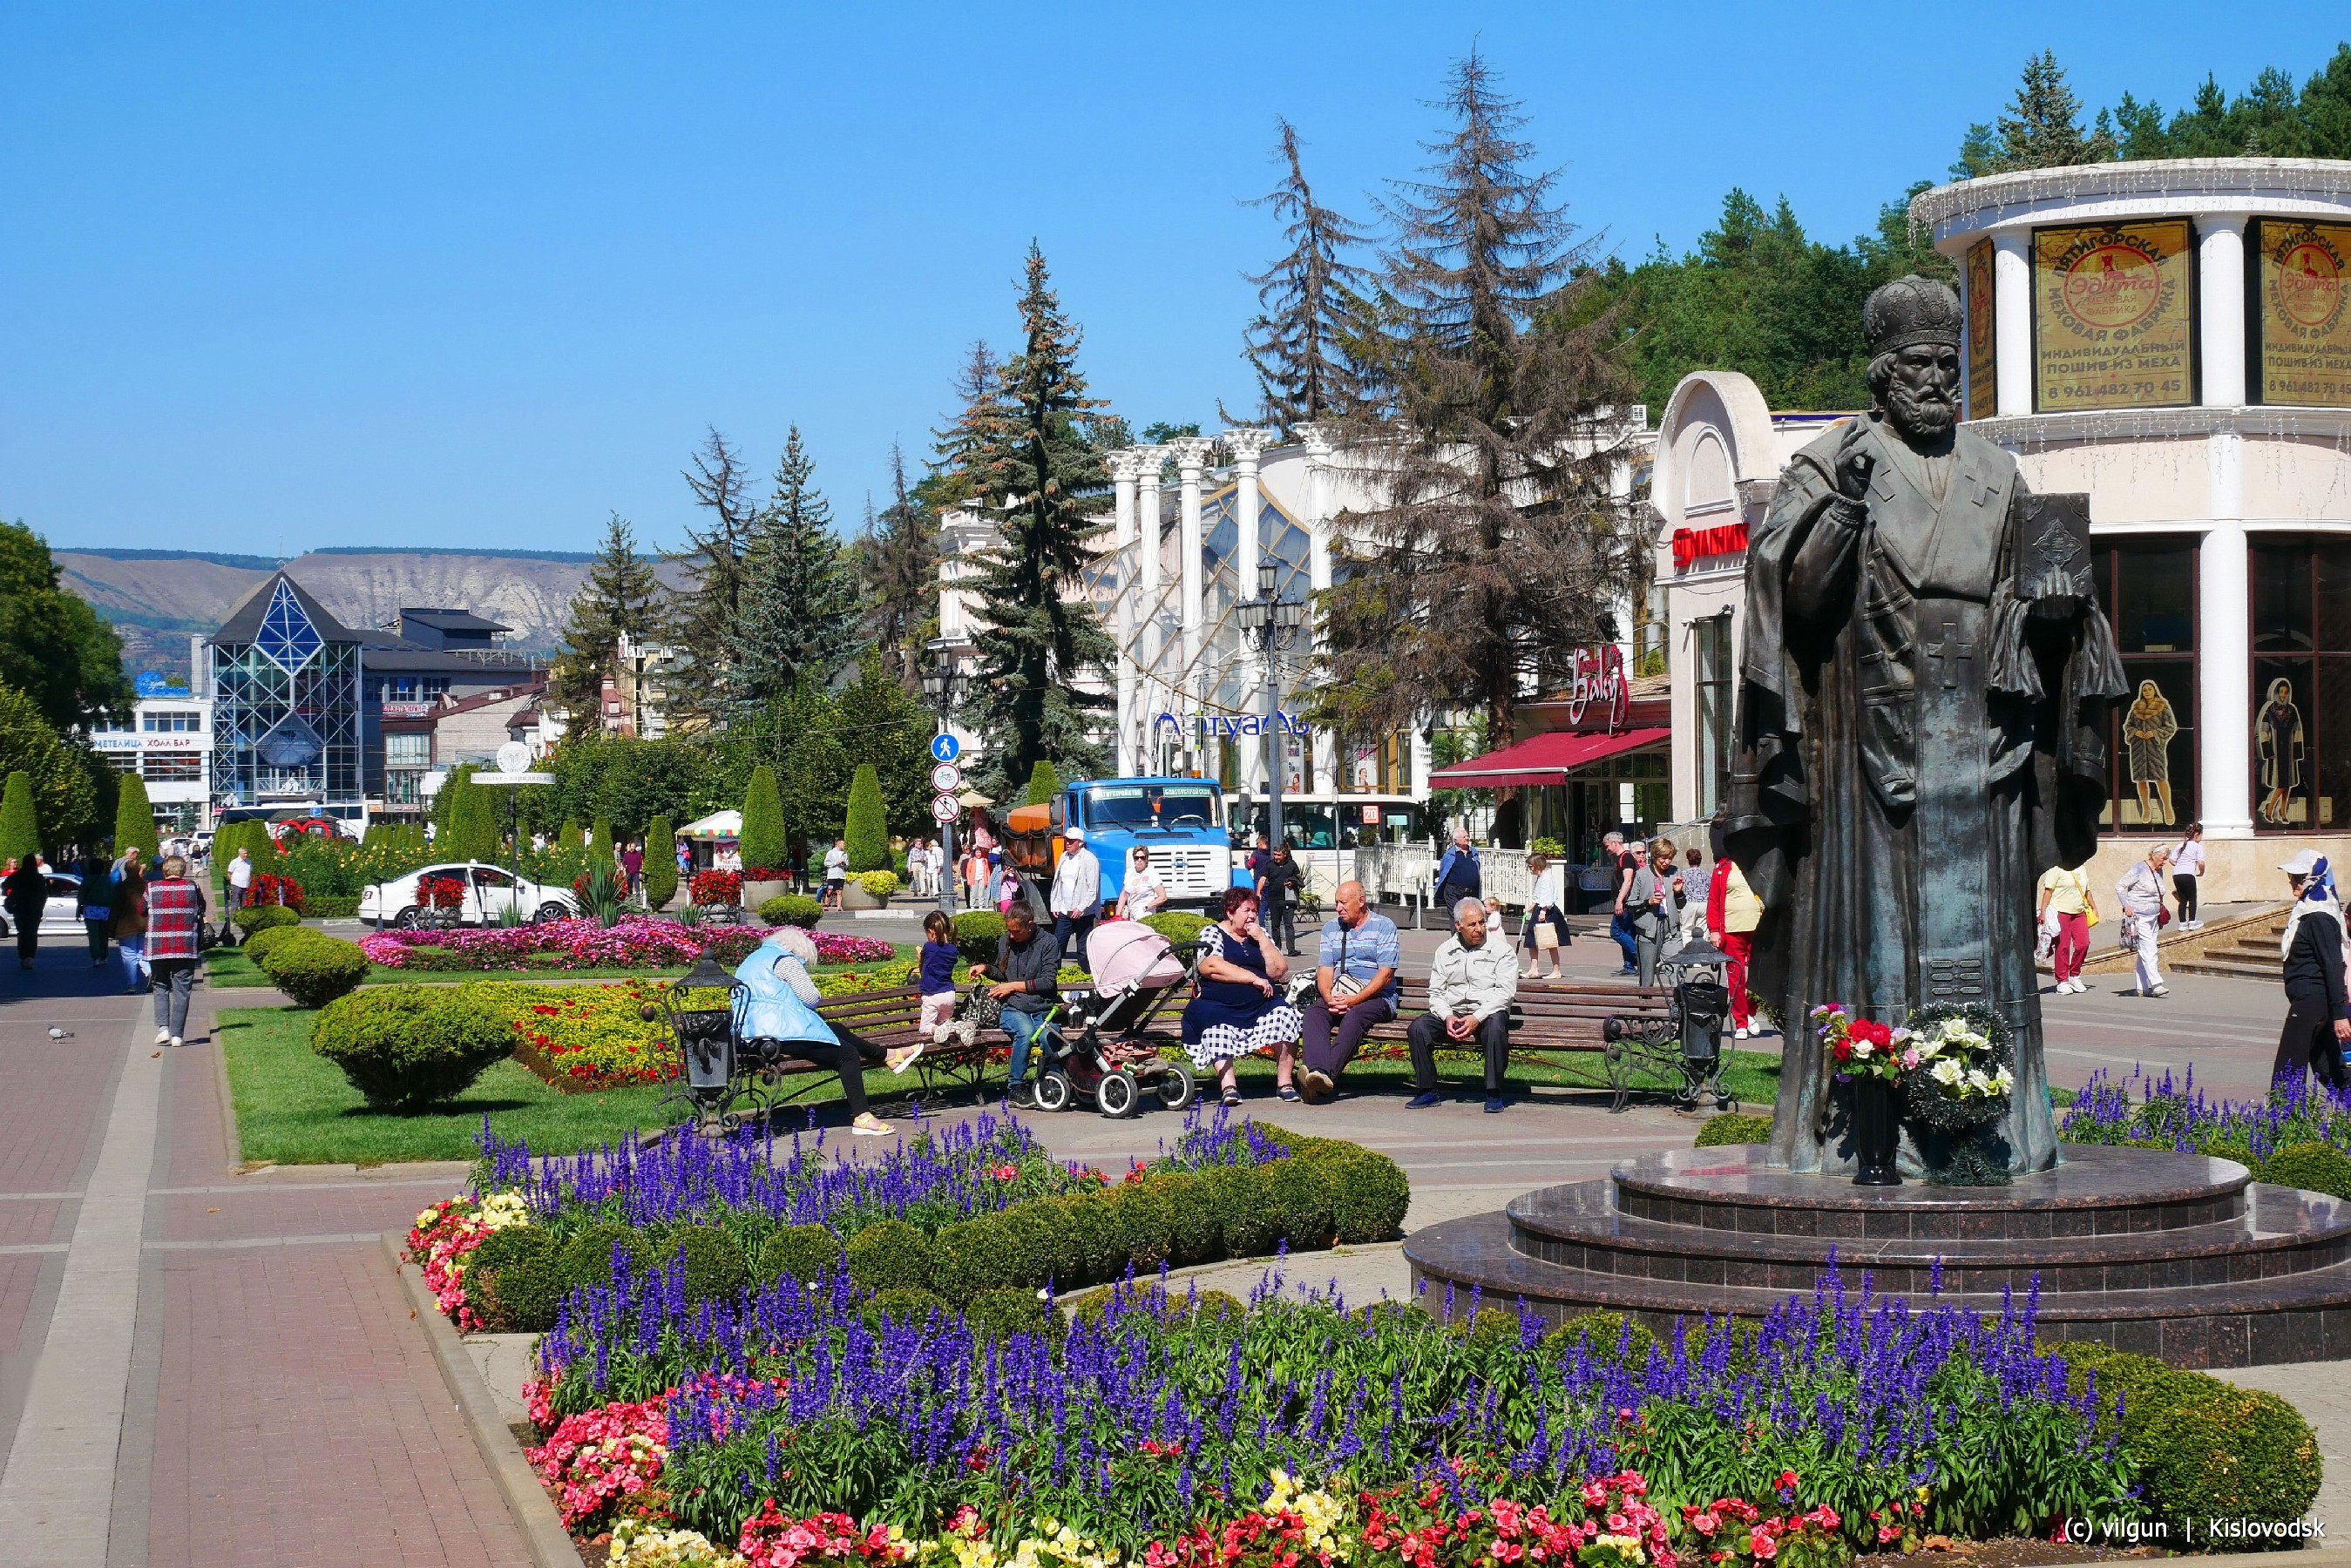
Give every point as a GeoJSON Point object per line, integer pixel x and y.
{"type": "Point", "coordinates": [2178, 1256]}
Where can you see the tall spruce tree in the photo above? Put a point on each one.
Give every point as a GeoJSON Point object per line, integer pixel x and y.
{"type": "Point", "coordinates": [798, 611]}
{"type": "Point", "coordinates": [1309, 306]}
{"type": "Point", "coordinates": [1495, 542]}
{"type": "Point", "coordinates": [2040, 129]}
{"type": "Point", "coordinates": [959, 451]}
{"type": "Point", "coordinates": [898, 569]}
{"type": "Point", "coordinates": [703, 614]}
{"type": "Point", "coordinates": [1045, 484]}
{"type": "Point", "coordinates": [621, 596]}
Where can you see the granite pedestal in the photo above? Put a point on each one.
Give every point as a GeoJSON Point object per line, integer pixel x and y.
{"type": "Point", "coordinates": [2178, 1256]}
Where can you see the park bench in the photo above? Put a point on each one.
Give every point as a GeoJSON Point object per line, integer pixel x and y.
{"type": "Point", "coordinates": [1547, 1019]}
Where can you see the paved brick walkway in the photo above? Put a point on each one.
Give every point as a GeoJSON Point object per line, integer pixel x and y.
{"type": "Point", "coordinates": [260, 1393]}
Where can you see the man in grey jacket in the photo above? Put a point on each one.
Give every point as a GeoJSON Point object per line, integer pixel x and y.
{"type": "Point", "coordinates": [1472, 982]}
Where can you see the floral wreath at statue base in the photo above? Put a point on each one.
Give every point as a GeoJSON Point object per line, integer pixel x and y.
{"type": "Point", "coordinates": [1952, 1117]}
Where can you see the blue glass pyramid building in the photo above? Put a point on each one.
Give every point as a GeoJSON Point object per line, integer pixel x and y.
{"type": "Point", "coordinates": [286, 703]}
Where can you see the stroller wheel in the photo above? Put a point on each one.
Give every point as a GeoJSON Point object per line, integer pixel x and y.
{"type": "Point", "coordinates": [1118, 1094]}
{"type": "Point", "coordinates": [1053, 1091]}
{"type": "Point", "coordinates": [1177, 1087]}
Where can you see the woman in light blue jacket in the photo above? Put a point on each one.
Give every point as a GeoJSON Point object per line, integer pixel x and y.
{"type": "Point", "coordinates": [778, 1003]}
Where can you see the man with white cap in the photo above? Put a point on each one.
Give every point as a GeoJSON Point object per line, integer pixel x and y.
{"type": "Point", "coordinates": [2317, 1009]}
{"type": "Point", "coordinates": [1076, 898]}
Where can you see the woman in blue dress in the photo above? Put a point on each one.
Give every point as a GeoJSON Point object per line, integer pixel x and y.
{"type": "Point", "coordinates": [1240, 1007]}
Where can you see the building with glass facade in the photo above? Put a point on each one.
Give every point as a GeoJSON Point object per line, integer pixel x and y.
{"type": "Point", "coordinates": [284, 684]}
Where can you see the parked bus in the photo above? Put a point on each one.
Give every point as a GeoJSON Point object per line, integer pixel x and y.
{"type": "Point", "coordinates": [1323, 828]}
{"type": "Point", "coordinates": [1181, 820]}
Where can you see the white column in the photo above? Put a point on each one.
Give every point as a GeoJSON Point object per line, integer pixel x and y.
{"type": "Point", "coordinates": [2221, 304]}
{"type": "Point", "coordinates": [2011, 304]}
{"type": "Point", "coordinates": [1124, 468]}
{"type": "Point", "coordinates": [2224, 657]}
{"type": "Point", "coordinates": [1191, 462]}
{"type": "Point", "coordinates": [1148, 461]}
{"type": "Point", "coordinates": [1317, 442]}
{"type": "Point", "coordinates": [1243, 447]}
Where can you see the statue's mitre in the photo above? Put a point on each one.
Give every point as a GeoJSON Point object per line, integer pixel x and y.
{"type": "Point", "coordinates": [1910, 310]}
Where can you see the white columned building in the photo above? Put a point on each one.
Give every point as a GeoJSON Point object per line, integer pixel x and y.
{"type": "Point", "coordinates": [1125, 469]}
{"type": "Point", "coordinates": [1192, 453]}
{"type": "Point", "coordinates": [1316, 440]}
{"type": "Point", "coordinates": [1244, 445]}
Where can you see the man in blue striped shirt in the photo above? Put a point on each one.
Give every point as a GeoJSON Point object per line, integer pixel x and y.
{"type": "Point", "coordinates": [1354, 981]}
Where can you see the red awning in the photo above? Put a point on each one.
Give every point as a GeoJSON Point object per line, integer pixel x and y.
{"type": "Point", "coordinates": [1545, 759]}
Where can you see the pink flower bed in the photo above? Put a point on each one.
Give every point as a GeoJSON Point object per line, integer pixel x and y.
{"type": "Point", "coordinates": [584, 944]}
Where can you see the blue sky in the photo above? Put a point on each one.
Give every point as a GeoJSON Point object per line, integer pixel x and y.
{"type": "Point", "coordinates": [283, 277]}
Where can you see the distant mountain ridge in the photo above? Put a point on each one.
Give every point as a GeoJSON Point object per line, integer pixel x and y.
{"type": "Point", "coordinates": [158, 598]}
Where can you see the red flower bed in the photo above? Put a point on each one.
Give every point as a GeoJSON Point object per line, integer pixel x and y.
{"type": "Point", "coordinates": [271, 889]}
{"type": "Point", "coordinates": [718, 886]}
{"type": "Point", "coordinates": [441, 893]}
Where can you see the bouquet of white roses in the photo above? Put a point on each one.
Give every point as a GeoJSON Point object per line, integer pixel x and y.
{"type": "Point", "coordinates": [1959, 1059]}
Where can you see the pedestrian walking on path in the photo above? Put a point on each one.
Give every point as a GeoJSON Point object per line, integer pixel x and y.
{"type": "Point", "coordinates": [1546, 932]}
{"type": "Point", "coordinates": [1278, 890]}
{"type": "Point", "coordinates": [237, 881]}
{"type": "Point", "coordinates": [1732, 913]}
{"type": "Point", "coordinates": [175, 916]}
{"type": "Point", "coordinates": [130, 919]}
{"type": "Point", "coordinates": [1628, 861]}
{"type": "Point", "coordinates": [2140, 893]}
{"type": "Point", "coordinates": [2067, 907]}
{"type": "Point", "coordinates": [2187, 865]}
{"type": "Point", "coordinates": [25, 891]}
{"type": "Point", "coordinates": [93, 899]}
{"type": "Point", "coordinates": [1075, 898]}
{"type": "Point", "coordinates": [1655, 908]}
{"type": "Point", "coordinates": [2318, 1010]}
{"type": "Point", "coordinates": [1459, 875]}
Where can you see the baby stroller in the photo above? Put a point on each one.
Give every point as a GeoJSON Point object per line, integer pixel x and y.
{"type": "Point", "coordinates": [1092, 1042]}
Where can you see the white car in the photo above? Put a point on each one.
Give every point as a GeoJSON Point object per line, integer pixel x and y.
{"type": "Point", "coordinates": [490, 892]}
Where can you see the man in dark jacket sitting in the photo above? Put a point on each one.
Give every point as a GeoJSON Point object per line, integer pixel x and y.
{"type": "Point", "coordinates": [1026, 970]}
{"type": "Point", "coordinates": [2318, 1011]}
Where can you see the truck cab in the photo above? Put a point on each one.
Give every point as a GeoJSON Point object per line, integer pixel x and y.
{"type": "Point", "coordinates": [1180, 821]}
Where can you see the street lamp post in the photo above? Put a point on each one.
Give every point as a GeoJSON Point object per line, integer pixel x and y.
{"type": "Point", "coordinates": [1271, 621]}
{"type": "Point", "coordinates": [943, 683]}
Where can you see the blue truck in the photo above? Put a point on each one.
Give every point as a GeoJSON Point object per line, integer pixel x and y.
{"type": "Point", "coordinates": [1180, 821]}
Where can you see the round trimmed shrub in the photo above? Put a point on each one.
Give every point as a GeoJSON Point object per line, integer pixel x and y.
{"type": "Point", "coordinates": [2148, 1387]}
{"type": "Point", "coordinates": [1491, 1326]}
{"type": "Point", "coordinates": [2311, 1166]}
{"type": "Point", "coordinates": [258, 945]}
{"type": "Point", "coordinates": [1002, 1314]}
{"type": "Point", "coordinates": [1176, 926]}
{"type": "Point", "coordinates": [1303, 1203]}
{"type": "Point", "coordinates": [1245, 1217]}
{"type": "Point", "coordinates": [1369, 1191]}
{"type": "Point", "coordinates": [586, 1260]}
{"type": "Point", "coordinates": [315, 968]}
{"type": "Point", "coordinates": [1609, 1338]}
{"type": "Point", "coordinates": [890, 1254]}
{"type": "Point", "coordinates": [809, 1253]}
{"type": "Point", "coordinates": [1146, 1226]}
{"type": "Point", "coordinates": [977, 932]}
{"type": "Point", "coordinates": [262, 917]}
{"type": "Point", "coordinates": [1192, 1231]}
{"type": "Point", "coordinates": [716, 1269]}
{"type": "Point", "coordinates": [1091, 1241]}
{"type": "Point", "coordinates": [504, 1258]}
{"type": "Point", "coordinates": [409, 1045]}
{"type": "Point", "coordinates": [973, 1257]}
{"type": "Point", "coordinates": [879, 884]}
{"type": "Point", "coordinates": [1032, 1244]}
{"type": "Point", "coordinates": [1736, 1128]}
{"type": "Point", "coordinates": [791, 909]}
{"type": "Point", "coordinates": [903, 1303]}
{"type": "Point", "coordinates": [523, 1298]}
{"type": "Point", "coordinates": [2236, 1453]}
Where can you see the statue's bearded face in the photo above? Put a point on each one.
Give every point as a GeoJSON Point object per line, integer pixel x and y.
{"type": "Point", "coordinates": [1921, 392]}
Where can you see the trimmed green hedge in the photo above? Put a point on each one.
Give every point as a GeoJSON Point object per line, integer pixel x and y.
{"type": "Point", "coordinates": [261, 917]}
{"type": "Point", "coordinates": [2311, 1166]}
{"type": "Point", "coordinates": [257, 948]}
{"type": "Point", "coordinates": [1176, 926]}
{"type": "Point", "coordinates": [314, 968]}
{"type": "Point", "coordinates": [408, 1045]}
{"type": "Point", "coordinates": [791, 909]}
{"type": "Point", "coordinates": [1736, 1128]}
{"type": "Point", "coordinates": [2205, 1450]}
{"type": "Point", "coordinates": [977, 932]}
{"type": "Point", "coordinates": [331, 906]}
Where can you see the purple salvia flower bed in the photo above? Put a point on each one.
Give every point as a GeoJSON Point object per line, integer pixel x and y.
{"type": "Point", "coordinates": [2161, 1109]}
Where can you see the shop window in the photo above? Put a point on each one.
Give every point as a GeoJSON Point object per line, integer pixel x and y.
{"type": "Point", "coordinates": [1710, 648]}
{"type": "Point", "coordinates": [175, 767]}
{"type": "Point", "coordinates": [411, 749]}
{"type": "Point", "coordinates": [2148, 587]}
{"type": "Point", "coordinates": [2302, 685]}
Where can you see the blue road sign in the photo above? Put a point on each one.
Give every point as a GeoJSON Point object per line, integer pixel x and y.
{"type": "Point", "coordinates": [945, 747]}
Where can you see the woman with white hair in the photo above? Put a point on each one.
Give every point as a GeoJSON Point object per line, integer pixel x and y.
{"type": "Point", "coordinates": [779, 1004]}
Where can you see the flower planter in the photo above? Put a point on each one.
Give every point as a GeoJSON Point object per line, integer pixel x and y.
{"type": "Point", "coordinates": [757, 893]}
{"type": "Point", "coordinates": [854, 897]}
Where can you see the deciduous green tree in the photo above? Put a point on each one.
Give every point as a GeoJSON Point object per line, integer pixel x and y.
{"type": "Point", "coordinates": [898, 569]}
{"type": "Point", "coordinates": [53, 646]}
{"type": "Point", "coordinates": [879, 722]}
{"type": "Point", "coordinates": [64, 801]}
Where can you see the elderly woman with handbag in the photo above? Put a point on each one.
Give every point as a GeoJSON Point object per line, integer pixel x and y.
{"type": "Point", "coordinates": [1546, 927]}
